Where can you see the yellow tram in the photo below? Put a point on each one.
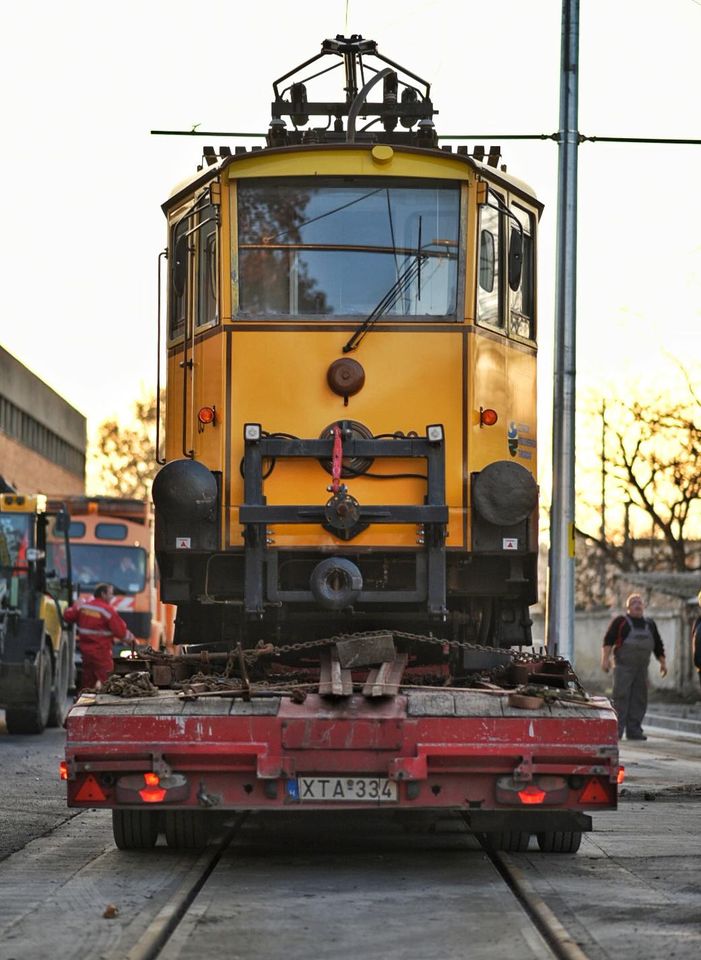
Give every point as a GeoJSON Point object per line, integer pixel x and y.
{"type": "Point", "coordinates": [350, 424]}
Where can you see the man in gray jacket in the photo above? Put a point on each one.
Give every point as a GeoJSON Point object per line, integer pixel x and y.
{"type": "Point", "coordinates": [631, 639]}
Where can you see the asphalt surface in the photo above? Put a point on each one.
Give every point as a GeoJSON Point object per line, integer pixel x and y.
{"type": "Point", "coordinates": [32, 797]}
{"type": "Point", "coordinates": [332, 887]}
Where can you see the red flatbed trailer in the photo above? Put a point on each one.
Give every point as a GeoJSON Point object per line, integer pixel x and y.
{"type": "Point", "coordinates": [509, 771]}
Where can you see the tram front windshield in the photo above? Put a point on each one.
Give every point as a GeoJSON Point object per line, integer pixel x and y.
{"type": "Point", "coordinates": [343, 246]}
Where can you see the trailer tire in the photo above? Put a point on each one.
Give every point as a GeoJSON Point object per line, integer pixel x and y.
{"type": "Point", "coordinates": [33, 719]}
{"type": "Point", "coordinates": [511, 841]}
{"type": "Point", "coordinates": [560, 841]}
{"type": "Point", "coordinates": [135, 829]}
{"type": "Point", "coordinates": [59, 706]}
{"type": "Point", "coordinates": [186, 829]}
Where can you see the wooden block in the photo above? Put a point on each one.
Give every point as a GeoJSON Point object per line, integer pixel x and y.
{"type": "Point", "coordinates": [383, 681]}
{"type": "Point", "coordinates": [334, 681]}
{"type": "Point", "coordinates": [365, 651]}
{"type": "Point", "coordinates": [161, 675]}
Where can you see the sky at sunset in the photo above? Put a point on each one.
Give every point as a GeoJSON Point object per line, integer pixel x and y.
{"type": "Point", "coordinates": [86, 81]}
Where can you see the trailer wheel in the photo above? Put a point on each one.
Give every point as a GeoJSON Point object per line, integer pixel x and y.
{"type": "Point", "coordinates": [33, 719]}
{"type": "Point", "coordinates": [511, 841]}
{"type": "Point", "coordinates": [135, 829]}
{"type": "Point", "coordinates": [560, 841]}
{"type": "Point", "coordinates": [186, 828]}
{"type": "Point", "coordinates": [59, 692]}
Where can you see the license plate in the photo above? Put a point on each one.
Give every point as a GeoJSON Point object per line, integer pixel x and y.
{"type": "Point", "coordinates": [347, 789]}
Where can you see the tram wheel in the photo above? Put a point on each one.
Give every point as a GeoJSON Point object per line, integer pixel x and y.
{"type": "Point", "coordinates": [511, 841]}
{"type": "Point", "coordinates": [560, 841]}
{"type": "Point", "coordinates": [135, 829]}
{"type": "Point", "coordinates": [186, 828]}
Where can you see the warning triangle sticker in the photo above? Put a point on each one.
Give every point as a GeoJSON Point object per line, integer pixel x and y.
{"type": "Point", "coordinates": [90, 790]}
{"type": "Point", "coordinates": [593, 793]}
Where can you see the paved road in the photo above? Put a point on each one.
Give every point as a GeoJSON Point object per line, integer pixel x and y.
{"type": "Point", "coordinates": [361, 887]}
{"type": "Point", "coordinates": [32, 798]}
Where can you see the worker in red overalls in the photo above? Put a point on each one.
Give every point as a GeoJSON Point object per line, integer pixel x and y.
{"type": "Point", "coordinates": [98, 626]}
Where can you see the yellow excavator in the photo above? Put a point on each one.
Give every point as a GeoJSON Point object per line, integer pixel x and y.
{"type": "Point", "coordinates": [37, 648]}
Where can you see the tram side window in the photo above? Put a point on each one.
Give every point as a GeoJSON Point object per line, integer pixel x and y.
{"type": "Point", "coordinates": [521, 282]}
{"type": "Point", "coordinates": [178, 280]}
{"type": "Point", "coordinates": [207, 267]}
{"type": "Point", "coordinates": [489, 275]}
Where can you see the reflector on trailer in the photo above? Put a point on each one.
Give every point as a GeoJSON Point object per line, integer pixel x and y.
{"type": "Point", "coordinates": [91, 790]}
{"type": "Point", "coordinates": [594, 792]}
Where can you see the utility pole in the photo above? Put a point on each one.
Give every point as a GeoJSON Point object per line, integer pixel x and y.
{"type": "Point", "coordinates": [560, 612]}
{"type": "Point", "coordinates": [602, 528]}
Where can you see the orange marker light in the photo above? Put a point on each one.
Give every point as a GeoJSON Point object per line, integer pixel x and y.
{"type": "Point", "coordinates": [621, 775]}
{"type": "Point", "coordinates": [488, 417]}
{"type": "Point", "coordinates": [152, 779]}
{"type": "Point", "coordinates": [531, 794]}
{"type": "Point", "coordinates": [63, 770]}
{"type": "Point", "coordinates": [206, 414]}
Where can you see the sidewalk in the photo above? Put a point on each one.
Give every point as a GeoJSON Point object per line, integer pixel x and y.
{"type": "Point", "coordinates": [680, 716]}
{"type": "Point", "coordinates": [665, 766]}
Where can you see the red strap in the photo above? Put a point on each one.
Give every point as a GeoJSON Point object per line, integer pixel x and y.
{"type": "Point", "coordinates": [336, 459]}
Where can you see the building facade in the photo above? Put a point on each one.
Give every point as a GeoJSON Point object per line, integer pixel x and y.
{"type": "Point", "coordinates": [42, 437]}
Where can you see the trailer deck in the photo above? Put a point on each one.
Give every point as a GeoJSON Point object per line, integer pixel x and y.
{"type": "Point", "coordinates": [504, 766]}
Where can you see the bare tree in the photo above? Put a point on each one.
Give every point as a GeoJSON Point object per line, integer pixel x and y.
{"type": "Point", "coordinates": [657, 459]}
{"type": "Point", "coordinates": [653, 458]}
{"type": "Point", "coordinates": [126, 454]}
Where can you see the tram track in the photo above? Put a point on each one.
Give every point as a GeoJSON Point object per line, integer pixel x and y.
{"type": "Point", "coordinates": [157, 934]}
{"type": "Point", "coordinates": [561, 943]}
{"type": "Point", "coordinates": [180, 918]}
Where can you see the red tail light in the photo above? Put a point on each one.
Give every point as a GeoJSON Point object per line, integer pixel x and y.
{"type": "Point", "coordinates": [531, 794]}
{"type": "Point", "coordinates": [152, 792]}
{"type": "Point", "coordinates": [63, 770]}
{"type": "Point", "coordinates": [621, 775]}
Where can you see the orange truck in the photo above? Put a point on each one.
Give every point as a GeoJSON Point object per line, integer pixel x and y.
{"type": "Point", "coordinates": [112, 542]}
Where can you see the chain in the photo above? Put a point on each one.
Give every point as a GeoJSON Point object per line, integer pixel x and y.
{"type": "Point", "coordinates": [268, 649]}
{"type": "Point", "coordinates": [520, 656]}
{"type": "Point", "coordinates": [294, 647]}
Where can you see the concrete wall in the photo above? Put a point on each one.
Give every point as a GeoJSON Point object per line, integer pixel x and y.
{"type": "Point", "coordinates": [29, 472]}
{"type": "Point", "coordinates": [589, 632]}
{"type": "Point", "coordinates": [42, 437]}
{"type": "Point", "coordinates": [28, 392]}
